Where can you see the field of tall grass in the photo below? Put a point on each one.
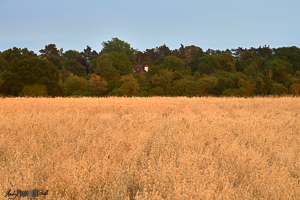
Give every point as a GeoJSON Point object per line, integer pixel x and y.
{"type": "Point", "coordinates": [151, 148]}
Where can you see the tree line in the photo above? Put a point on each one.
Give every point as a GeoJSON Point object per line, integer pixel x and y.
{"type": "Point", "coordinates": [187, 71]}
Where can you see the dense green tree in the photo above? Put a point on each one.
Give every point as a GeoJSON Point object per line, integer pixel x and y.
{"type": "Point", "coordinates": [120, 62]}
{"type": "Point", "coordinates": [249, 71]}
{"type": "Point", "coordinates": [89, 54]}
{"type": "Point", "coordinates": [71, 54]}
{"type": "Point", "coordinates": [240, 65]}
{"type": "Point", "coordinates": [113, 84]}
{"type": "Point", "coordinates": [279, 89]}
{"type": "Point", "coordinates": [246, 55]}
{"type": "Point", "coordinates": [173, 63]}
{"type": "Point", "coordinates": [227, 62]}
{"type": "Point", "coordinates": [224, 81]}
{"type": "Point", "coordinates": [35, 90]}
{"type": "Point", "coordinates": [196, 55]}
{"type": "Point", "coordinates": [163, 51]}
{"type": "Point", "coordinates": [167, 77]}
{"type": "Point", "coordinates": [99, 86]}
{"type": "Point", "coordinates": [64, 74]}
{"type": "Point", "coordinates": [56, 61]}
{"type": "Point", "coordinates": [265, 52]}
{"type": "Point", "coordinates": [246, 88]}
{"type": "Point", "coordinates": [157, 91]}
{"type": "Point", "coordinates": [297, 74]}
{"type": "Point", "coordinates": [17, 53]}
{"type": "Point", "coordinates": [291, 55]}
{"type": "Point", "coordinates": [120, 46]}
{"type": "Point", "coordinates": [75, 85]}
{"type": "Point", "coordinates": [3, 64]}
{"type": "Point", "coordinates": [50, 49]}
{"type": "Point", "coordinates": [278, 70]}
{"type": "Point", "coordinates": [130, 85]}
{"type": "Point", "coordinates": [209, 64]}
{"type": "Point", "coordinates": [186, 87]}
{"type": "Point", "coordinates": [154, 71]}
{"type": "Point", "coordinates": [26, 68]}
{"type": "Point", "coordinates": [105, 69]}
{"type": "Point", "coordinates": [113, 65]}
{"type": "Point", "coordinates": [156, 81]}
{"type": "Point", "coordinates": [75, 67]}
{"type": "Point", "coordinates": [295, 89]}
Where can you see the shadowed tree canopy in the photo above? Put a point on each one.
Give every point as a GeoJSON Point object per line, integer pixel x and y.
{"type": "Point", "coordinates": [113, 65]}
{"type": "Point", "coordinates": [75, 67]}
{"type": "Point", "coordinates": [120, 46]}
{"type": "Point", "coordinates": [25, 68]}
{"type": "Point", "coordinates": [105, 69]}
{"type": "Point", "coordinates": [71, 54]}
{"type": "Point", "coordinates": [50, 49]}
{"type": "Point", "coordinates": [227, 62]}
{"type": "Point", "coordinates": [88, 54]}
{"type": "Point", "coordinates": [291, 55]}
{"type": "Point", "coordinates": [173, 63]}
{"type": "Point", "coordinates": [278, 70]}
{"type": "Point", "coordinates": [209, 64]}
{"type": "Point", "coordinates": [121, 62]}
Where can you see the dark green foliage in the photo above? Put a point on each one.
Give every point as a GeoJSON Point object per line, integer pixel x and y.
{"type": "Point", "coordinates": [71, 54]}
{"type": "Point", "coordinates": [113, 84]}
{"type": "Point", "coordinates": [3, 64]}
{"type": "Point", "coordinates": [278, 70]}
{"type": "Point", "coordinates": [88, 54]}
{"type": "Point", "coordinates": [279, 89]}
{"type": "Point", "coordinates": [173, 63]}
{"type": "Point", "coordinates": [26, 68]}
{"type": "Point", "coordinates": [265, 52]}
{"type": "Point", "coordinates": [196, 76]}
{"type": "Point", "coordinates": [36, 90]}
{"type": "Point", "coordinates": [75, 67]}
{"type": "Point", "coordinates": [297, 74]}
{"type": "Point", "coordinates": [291, 55]}
{"type": "Point", "coordinates": [209, 64]}
{"type": "Point", "coordinates": [112, 65]}
{"type": "Point", "coordinates": [227, 62]}
{"type": "Point", "coordinates": [98, 85]}
{"type": "Point", "coordinates": [105, 69]}
{"type": "Point", "coordinates": [295, 89]}
{"type": "Point", "coordinates": [130, 85]}
{"type": "Point", "coordinates": [240, 65]}
{"type": "Point", "coordinates": [56, 61]}
{"type": "Point", "coordinates": [120, 62]}
{"type": "Point", "coordinates": [157, 91]}
{"type": "Point", "coordinates": [142, 94]}
{"type": "Point", "coordinates": [249, 71]}
{"type": "Point", "coordinates": [224, 82]}
{"type": "Point", "coordinates": [246, 55]}
{"type": "Point", "coordinates": [186, 71]}
{"type": "Point", "coordinates": [75, 85]}
{"type": "Point", "coordinates": [118, 92]}
{"type": "Point", "coordinates": [155, 70]}
{"type": "Point", "coordinates": [64, 74]}
{"type": "Point", "coordinates": [189, 88]}
{"type": "Point", "coordinates": [267, 85]}
{"type": "Point", "coordinates": [119, 46]}
{"type": "Point", "coordinates": [50, 50]}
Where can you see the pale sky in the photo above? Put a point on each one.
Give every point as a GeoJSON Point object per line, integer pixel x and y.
{"type": "Point", "coordinates": [145, 24]}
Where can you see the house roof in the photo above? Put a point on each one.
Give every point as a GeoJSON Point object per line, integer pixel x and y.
{"type": "Point", "coordinates": [139, 68]}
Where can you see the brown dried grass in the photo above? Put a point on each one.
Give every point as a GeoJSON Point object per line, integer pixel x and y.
{"type": "Point", "coordinates": [151, 148]}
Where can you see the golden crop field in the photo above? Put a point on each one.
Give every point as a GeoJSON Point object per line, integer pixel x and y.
{"type": "Point", "coordinates": [151, 148]}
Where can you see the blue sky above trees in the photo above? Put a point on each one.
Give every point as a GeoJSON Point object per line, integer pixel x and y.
{"type": "Point", "coordinates": [215, 24]}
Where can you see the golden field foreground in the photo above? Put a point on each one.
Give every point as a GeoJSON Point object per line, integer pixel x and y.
{"type": "Point", "coordinates": [151, 148]}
